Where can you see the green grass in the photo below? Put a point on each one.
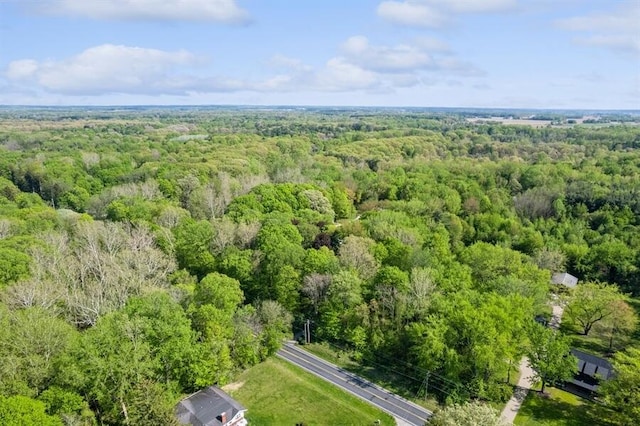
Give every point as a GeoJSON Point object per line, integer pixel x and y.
{"type": "Point", "coordinates": [278, 393]}
{"type": "Point", "coordinates": [560, 408]}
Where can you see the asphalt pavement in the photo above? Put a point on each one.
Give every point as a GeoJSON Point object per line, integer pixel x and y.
{"type": "Point", "coordinates": [385, 400]}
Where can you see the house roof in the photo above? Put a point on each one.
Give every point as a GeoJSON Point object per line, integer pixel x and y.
{"type": "Point", "coordinates": [592, 359]}
{"type": "Point", "coordinates": [564, 278]}
{"type": "Point", "coordinates": [204, 407]}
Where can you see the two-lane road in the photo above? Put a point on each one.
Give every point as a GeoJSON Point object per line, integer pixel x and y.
{"type": "Point", "coordinates": [393, 404]}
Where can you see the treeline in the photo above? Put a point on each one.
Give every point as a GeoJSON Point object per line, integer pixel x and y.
{"type": "Point", "coordinates": [145, 257]}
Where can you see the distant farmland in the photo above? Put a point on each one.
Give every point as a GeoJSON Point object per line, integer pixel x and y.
{"type": "Point", "coordinates": [512, 121]}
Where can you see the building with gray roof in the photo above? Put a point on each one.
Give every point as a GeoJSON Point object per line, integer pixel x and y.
{"type": "Point", "coordinates": [565, 279]}
{"type": "Point", "coordinates": [211, 407]}
{"type": "Point", "coordinates": [591, 370]}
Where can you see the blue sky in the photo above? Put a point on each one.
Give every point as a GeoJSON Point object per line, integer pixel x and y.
{"type": "Point", "coordinates": [450, 53]}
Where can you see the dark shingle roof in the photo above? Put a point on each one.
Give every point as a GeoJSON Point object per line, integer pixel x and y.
{"type": "Point", "coordinates": [203, 407]}
{"type": "Point", "coordinates": [592, 359]}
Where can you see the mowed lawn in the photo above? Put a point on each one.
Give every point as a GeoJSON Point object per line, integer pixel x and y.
{"type": "Point", "coordinates": [560, 408]}
{"type": "Point", "coordinates": [278, 393]}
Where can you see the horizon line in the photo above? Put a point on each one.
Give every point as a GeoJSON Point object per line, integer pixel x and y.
{"type": "Point", "coordinates": [300, 106]}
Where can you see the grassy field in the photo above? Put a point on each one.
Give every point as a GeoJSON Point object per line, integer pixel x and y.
{"type": "Point", "coordinates": [560, 408]}
{"type": "Point", "coordinates": [278, 393]}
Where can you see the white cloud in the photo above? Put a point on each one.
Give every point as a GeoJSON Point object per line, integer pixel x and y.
{"type": "Point", "coordinates": [621, 42]}
{"type": "Point", "coordinates": [339, 75]}
{"type": "Point", "coordinates": [226, 11]}
{"type": "Point", "coordinates": [336, 75]}
{"type": "Point", "coordinates": [114, 69]}
{"type": "Point", "coordinates": [411, 13]}
{"type": "Point", "coordinates": [285, 62]}
{"type": "Point", "coordinates": [109, 70]}
{"type": "Point", "coordinates": [410, 58]}
{"type": "Point", "coordinates": [462, 68]}
{"type": "Point", "coordinates": [106, 69]}
{"type": "Point", "coordinates": [437, 13]}
{"type": "Point", "coordinates": [473, 6]}
{"type": "Point", "coordinates": [433, 44]}
{"type": "Point", "coordinates": [22, 69]}
{"type": "Point", "coordinates": [624, 19]}
{"type": "Point", "coordinates": [363, 66]}
{"type": "Point", "coordinates": [384, 58]}
{"type": "Point", "coordinates": [616, 30]}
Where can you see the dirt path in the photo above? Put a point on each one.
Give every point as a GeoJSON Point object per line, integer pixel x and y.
{"type": "Point", "coordinates": [556, 317]}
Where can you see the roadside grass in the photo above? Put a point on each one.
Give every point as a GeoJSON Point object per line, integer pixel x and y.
{"type": "Point", "coordinates": [560, 408]}
{"type": "Point", "coordinates": [380, 375]}
{"type": "Point", "coordinates": [278, 393]}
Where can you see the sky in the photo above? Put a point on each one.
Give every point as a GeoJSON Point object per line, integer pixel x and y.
{"type": "Point", "coordinates": [558, 54]}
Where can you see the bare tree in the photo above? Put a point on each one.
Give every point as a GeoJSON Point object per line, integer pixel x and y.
{"type": "Point", "coordinates": [171, 216]}
{"type": "Point", "coordinates": [92, 271]}
{"type": "Point", "coordinates": [217, 195]}
{"type": "Point", "coordinates": [5, 228]}
{"type": "Point", "coordinates": [90, 159]}
{"type": "Point", "coordinates": [553, 260]}
{"type": "Point", "coordinates": [421, 289]}
{"type": "Point", "coordinates": [224, 234]}
{"type": "Point", "coordinates": [246, 233]}
{"type": "Point", "coordinates": [188, 185]}
{"type": "Point", "coordinates": [315, 287]}
{"type": "Point", "coordinates": [247, 183]}
{"type": "Point", "coordinates": [354, 253]}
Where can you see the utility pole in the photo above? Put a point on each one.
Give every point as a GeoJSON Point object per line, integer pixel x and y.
{"type": "Point", "coordinates": [425, 384]}
{"type": "Point", "coordinates": [307, 331]}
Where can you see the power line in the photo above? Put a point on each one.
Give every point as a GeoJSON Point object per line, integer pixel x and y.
{"type": "Point", "coordinates": [431, 379]}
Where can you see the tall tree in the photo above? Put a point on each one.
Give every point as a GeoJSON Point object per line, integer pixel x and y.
{"type": "Point", "coordinates": [30, 341]}
{"type": "Point", "coordinates": [621, 323]}
{"type": "Point", "coordinates": [549, 356]}
{"type": "Point", "coordinates": [21, 410]}
{"type": "Point", "coordinates": [468, 414]}
{"type": "Point", "coordinates": [622, 392]}
{"type": "Point", "coordinates": [590, 303]}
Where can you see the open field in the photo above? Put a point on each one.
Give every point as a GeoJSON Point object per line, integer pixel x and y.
{"type": "Point", "coordinates": [512, 121]}
{"type": "Point", "coordinates": [277, 393]}
{"type": "Point", "coordinates": [545, 123]}
{"type": "Point", "coordinates": [560, 408]}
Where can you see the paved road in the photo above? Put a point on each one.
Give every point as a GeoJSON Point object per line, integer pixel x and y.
{"type": "Point", "coordinates": [396, 406]}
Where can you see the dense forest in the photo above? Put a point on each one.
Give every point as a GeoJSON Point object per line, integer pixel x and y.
{"type": "Point", "coordinates": [146, 253]}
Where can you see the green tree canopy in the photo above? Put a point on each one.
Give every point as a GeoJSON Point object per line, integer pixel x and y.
{"type": "Point", "coordinates": [622, 392]}
{"type": "Point", "coordinates": [549, 356]}
{"type": "Point", "coordinates": [590, 303]}
{"type": "Point", "coordinates": [468, 414]}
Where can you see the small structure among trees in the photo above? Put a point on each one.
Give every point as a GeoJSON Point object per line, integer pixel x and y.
{"type": "Point", "coordinates": [549, 356]}
{"type": "Point", "coordinates": [564, 279]}
{"type": "Point", "coordinates": [591, 370]}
